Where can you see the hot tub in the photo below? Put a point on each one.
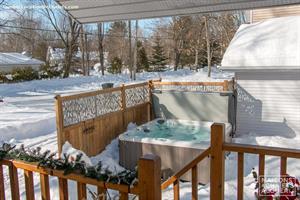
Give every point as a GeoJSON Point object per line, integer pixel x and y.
{"type": "Point", "coordinates": [177, 142]}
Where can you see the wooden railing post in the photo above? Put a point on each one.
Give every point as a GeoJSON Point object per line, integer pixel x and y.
{"type": "Point", "coordinates": [2, 189]}
{"type": "Point", "coordinates": [59, 123]}
{"type": "Point", "coordinates": [150, 85]}
{"type": "Point", "coordinates": [63, 189]}
{"type": "Point", "coordinates": [217, 162]}
{"type": "Point", "coordinates": [123, 105]}
{"type": "Point", "coordinates": [149, 177]}
{"type": "Point", "coordinates": [29, 185]}
{"type": "Point", "coordinates": [14, 182]}
{"type": "Point", "coordinates": [81, 191]}
{"type": "Point", "coordinates": [226, 86]}
{"type": "Point", "coordinates": [45, 188]}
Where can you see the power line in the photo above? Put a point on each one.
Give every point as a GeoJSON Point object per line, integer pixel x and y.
{"type": "Point", "coordinates": [66, 32]}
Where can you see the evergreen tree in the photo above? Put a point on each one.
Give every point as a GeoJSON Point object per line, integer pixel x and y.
{"type": "Point", "coordinates": [116, 66]}
{"type": "Point", "coordinates": [159, 59]}
{"type": "Point", "coordinates": [116, 42]}
{"type": "Point", "coordinates": [142, 59]}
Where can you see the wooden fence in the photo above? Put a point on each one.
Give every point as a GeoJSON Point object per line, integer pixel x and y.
{"type": "Point", "coordinates": [147, 186]}
{"type": "Point", "coordinates": [90, 121]}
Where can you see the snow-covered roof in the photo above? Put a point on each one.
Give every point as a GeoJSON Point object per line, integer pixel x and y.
{"type": "Point", "coordinates": [271, 44]}
{"type": "Point", "coordinates": [112, 10]}
{"type": "Point", "coordinates": [17, 59]}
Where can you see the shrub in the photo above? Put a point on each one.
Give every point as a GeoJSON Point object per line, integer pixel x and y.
{"type": "Point", "coordinates": [3, 78]}
{"type": "Point", "coordinates": [116, 66]}
{"type": "Point", "coordinates": [48, 71]}
{"type": "Point", "coordinates": [24, 74]}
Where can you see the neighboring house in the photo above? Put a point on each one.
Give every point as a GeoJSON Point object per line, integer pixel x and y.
{"type": "Point", "coordinates": [55, 56]}
{"type": "Point", "coordinates": [265, 57]}
{"type": "Point", "coordinates": [9, 61]}
{"type": "Point", "coordinates": [268, 13]}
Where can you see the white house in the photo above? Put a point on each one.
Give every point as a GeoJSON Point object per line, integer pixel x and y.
{"type": "Point", "coordinates": [56, 56]}
{"type": "Point", "coordinates": [265, 57]}
{"type": "Point", "coordinates": [9, 61]}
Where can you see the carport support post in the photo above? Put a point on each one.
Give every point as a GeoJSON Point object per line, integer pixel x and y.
{"type": "Point", "coordinates": [149, 176]}
{"type": "Point", "coordinates": [217, 162]}
{"type": "Point", "coordinates": [59, 123]}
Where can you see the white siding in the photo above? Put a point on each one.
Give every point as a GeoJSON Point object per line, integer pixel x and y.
{"type": "Point", "coordinates": [268, 13]}
{"type": "Point", "coordinates": [268, 103]}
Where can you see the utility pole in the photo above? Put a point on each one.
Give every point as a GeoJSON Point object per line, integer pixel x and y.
{"type": "Point", "coordinates": [87, 55]}
{"type": "Point", "coordinates": [136, 49]}
{"type": "Point", "coordinates": [130, 50]}
{"type": "Point", "coordinates": [100, 46]}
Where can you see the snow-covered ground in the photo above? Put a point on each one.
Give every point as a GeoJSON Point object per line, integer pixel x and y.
{"type": "Point", "coordinates": [27, 116]}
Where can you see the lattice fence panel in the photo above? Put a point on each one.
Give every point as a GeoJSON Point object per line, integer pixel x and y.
{"type": "Point", "coordinates": [109, 102]}
{"type": "Point", "coordinates": [193, 88]}
{"type": "Point", "coordinates": [137, 95]}
{"type": "Point", "coordinates": [78, 110]}
{"type": "Point", "coordinates": [85, 108]}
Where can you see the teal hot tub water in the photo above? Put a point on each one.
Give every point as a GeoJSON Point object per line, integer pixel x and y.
{"type": "Point", "coordinates": [172, 130]}
{"type": "Point", "coordinates": [183, 133]}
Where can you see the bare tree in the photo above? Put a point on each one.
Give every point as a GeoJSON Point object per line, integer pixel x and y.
{"type": "Point", "coordinates": [207, 36]}
{"type": "Point", "coordinates": [68, 31]}
{"type": "Point", "coordinates": [135, 49]}
{"type": "Point", "coordinates": [130, 63]}
{"type": "Point", "coordinates": [182, 27]}
{"type": "Point", "coordinates": [83, 50]}
{"type": "Point", "coordinates": [100, 46]}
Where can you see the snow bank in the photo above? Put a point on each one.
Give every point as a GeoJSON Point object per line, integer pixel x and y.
{"type": "Point", "coordinates": [109, 158]}
{"type": "Point", "coordinates": [27, 117]}
{"type": "Point", "coordinates": [67, 149]}
{"type": "Point", "coordinates": [28, 108]}
{"type": "Point", "coordinates": [272, 43]}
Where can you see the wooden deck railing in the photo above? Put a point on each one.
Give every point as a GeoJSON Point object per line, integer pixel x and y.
{"type": "Point", "coordinates": [175, 179]}
{"type": "Point", "coordinates": [217, 171]}
{"type": "Point", "coordinates": [147, 186]}
{"type": "Point", "coordinates": [262, 151]}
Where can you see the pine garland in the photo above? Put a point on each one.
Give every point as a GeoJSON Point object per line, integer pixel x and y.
{"type": "Point", "coordinates": [77, 166]}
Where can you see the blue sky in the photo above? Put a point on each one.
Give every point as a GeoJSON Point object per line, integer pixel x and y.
{"type": "Point", "coordinates": [146, 25]}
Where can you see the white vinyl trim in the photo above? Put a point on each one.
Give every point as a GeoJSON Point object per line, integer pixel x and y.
{"type": "Point", "coordinates": [108, 10]}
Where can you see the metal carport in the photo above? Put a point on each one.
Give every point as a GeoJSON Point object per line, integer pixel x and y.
{"type": "Point", "coordinates": [92, 11]}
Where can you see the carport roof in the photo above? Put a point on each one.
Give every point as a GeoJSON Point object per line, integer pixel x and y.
{"type": "Point", "coordinates": [92, 11]}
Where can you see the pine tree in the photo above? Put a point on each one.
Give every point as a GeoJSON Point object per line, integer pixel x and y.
{"type": "Point", "coordinates": [142, 59]}
{"type": "Point", "coordinates": [116, 66]}
{"type": "Point", "coordinates": [159, 59]}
